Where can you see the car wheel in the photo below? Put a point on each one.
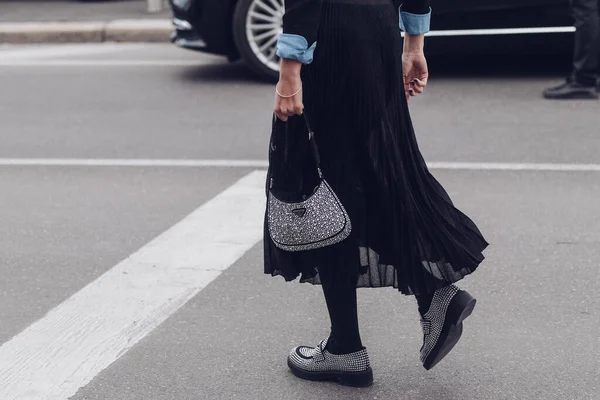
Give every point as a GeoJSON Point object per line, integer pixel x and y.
{"type": "Point", "coordinates": [256, 28]}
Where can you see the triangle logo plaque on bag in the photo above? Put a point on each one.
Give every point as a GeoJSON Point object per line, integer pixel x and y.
{"type": "Point", "coordinates": [299, 212]}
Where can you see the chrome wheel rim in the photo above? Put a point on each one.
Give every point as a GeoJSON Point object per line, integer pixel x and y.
{"type": "Point", "coordinates": [264, 23]}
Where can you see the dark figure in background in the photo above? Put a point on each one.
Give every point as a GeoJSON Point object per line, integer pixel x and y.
{"type": "Point", "coordinates": [583, 82]}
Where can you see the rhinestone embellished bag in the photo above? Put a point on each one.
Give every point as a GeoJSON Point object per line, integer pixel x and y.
{"type": "Point", "coordinates": [319, 220]}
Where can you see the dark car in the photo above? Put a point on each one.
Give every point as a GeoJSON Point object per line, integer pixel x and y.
{"type": "Point", "coordinates": [249, 28]}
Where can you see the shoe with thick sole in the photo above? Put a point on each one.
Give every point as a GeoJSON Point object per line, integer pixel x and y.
{"type": "Point", "coordinates": [570, 90]}
{"type": "Point", "coordinates": [443, 323]}
{"type": "Point", "coordinates": [318, 364]}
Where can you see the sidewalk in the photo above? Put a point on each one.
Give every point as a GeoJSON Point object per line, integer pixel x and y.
{"type": "Point", "coordinates": [50, 21]}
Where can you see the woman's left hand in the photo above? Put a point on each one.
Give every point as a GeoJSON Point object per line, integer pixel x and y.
{"type": "Point", "coordinates": [415, 73]}
{"type": "Point", "coordinates": [289, 83]}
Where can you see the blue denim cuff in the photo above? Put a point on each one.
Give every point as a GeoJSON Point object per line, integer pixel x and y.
{"type": "Point", "coordinates": [415, 24]}
{"type": "Point", "coordinates": [295, 47]}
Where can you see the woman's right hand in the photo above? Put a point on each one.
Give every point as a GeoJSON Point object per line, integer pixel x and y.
{"type": "Point", "coordinates": [414, 65]}
{"type": "Point", "coordinates": [289, 83]}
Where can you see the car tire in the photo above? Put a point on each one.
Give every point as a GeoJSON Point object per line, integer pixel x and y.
{"type": "Point", "coordinates": [245, 47]}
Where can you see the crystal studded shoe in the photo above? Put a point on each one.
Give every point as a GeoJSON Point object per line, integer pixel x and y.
{"type": "Point", "coordinates": [442, 323]}
{"type": "Point", "coordinates": [318, 364]}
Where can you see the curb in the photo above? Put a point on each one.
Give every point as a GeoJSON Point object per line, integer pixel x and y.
{"type": "Point", "coordinates": [123, 30]}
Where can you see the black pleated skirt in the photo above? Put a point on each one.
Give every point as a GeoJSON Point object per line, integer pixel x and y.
{"type": "Point", "coordinates": [406, 232]}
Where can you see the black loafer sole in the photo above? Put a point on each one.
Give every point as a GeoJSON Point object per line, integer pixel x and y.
{"type": "Point", "coordinates": [460, 307]}
{"type": "Point", "coordinates": [355, 379]}
{"type": "Point", "coordinates": [580, 95]}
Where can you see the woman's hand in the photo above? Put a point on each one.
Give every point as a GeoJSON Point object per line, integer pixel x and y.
{"type": "Point", "coordinates": [414, 65]}
{"type": "Point", "coordinates": [289, 83]}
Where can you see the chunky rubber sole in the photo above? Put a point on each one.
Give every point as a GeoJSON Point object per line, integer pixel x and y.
{"type": "Point", "coordinates": [355, 379]}
{"type": "Point", "coordinates": [576, 96]}
{"type": "Point", "coordinates": [460, 307]}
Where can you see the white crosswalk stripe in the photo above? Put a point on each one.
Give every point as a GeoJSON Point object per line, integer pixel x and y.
{"type": "Point", "coordinates": [64, 350]}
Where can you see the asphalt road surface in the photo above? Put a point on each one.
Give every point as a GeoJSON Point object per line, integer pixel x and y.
{"type": "Point", "coordinates": [130, 249]}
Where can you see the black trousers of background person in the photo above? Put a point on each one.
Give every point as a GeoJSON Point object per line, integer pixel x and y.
{"type": "Point", "coordinates": [586, 57]}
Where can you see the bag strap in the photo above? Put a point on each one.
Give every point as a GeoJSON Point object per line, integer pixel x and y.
{"type": "Point", "coordinates": [313, 144]}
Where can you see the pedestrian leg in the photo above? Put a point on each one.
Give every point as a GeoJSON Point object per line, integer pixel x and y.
{"type": "Point", "coordinates": [343, 312]}
{"type": "Point", "coordinates": [587, 41]}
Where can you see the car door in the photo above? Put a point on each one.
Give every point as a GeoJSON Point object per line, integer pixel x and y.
{"type": "Point", "coordinates": [499, 14]}
{"type": "Point", "coordinates": [495, 27]}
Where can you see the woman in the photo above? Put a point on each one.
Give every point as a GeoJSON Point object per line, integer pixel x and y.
{"type": "Point", "coordinates": [343, 66]}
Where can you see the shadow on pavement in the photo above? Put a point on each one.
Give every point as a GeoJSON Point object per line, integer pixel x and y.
{"type": "Point", "coordinates": [439, 66]}
{"type": "Point", "coordinates": [221, 72]}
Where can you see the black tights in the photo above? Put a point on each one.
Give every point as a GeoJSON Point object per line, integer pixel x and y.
{"type": "Point", "coordinates": [341, 302]}
{"type": "Point", "coordinates": [343, 312]}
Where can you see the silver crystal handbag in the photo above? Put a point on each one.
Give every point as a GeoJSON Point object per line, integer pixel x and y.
{"type": "Point", "coordinates": [317, 221]}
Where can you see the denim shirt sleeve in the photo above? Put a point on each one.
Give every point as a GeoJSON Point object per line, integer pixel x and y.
{"type": "Point", "coordinates": [295, 47]}
{"type": "Point", "coordinates": [415, 24]}
{"type": "Point", "coordinates": [300, 28]}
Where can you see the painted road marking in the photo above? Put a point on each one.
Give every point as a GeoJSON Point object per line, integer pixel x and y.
{"type": "Point", "coordinates": [23, 53]}
{"type": "Point", "coordinates": [92, 162]}
{"type": "Point", "coordinates": [102, 63]}
{"type": "Point", "coordinates": [75, 341]}
{"type": "Point", "coordinates": [216, 163]}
